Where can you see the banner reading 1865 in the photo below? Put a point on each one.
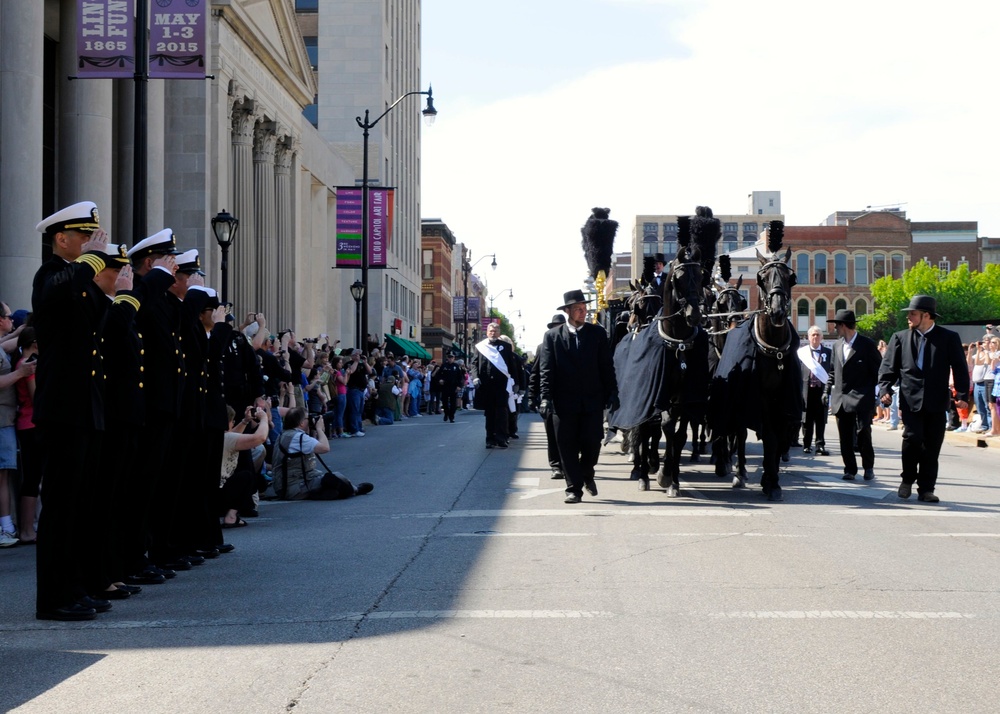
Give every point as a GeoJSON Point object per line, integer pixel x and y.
{"type": "Point", "coordinates": [380, 214]}
{"type": "Point", "coordinates": [105, 41]}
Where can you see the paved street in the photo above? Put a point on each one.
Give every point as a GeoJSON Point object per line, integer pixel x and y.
{"type": "Point", "coordinates": [464, 584]}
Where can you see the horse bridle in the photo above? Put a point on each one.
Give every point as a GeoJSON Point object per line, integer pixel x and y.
{"type": "Point", "coordinates": [681, 301]}
{"type": "Point", "coordinates": [768, 294]}
{"type": "Point", "coordinates": [743, 313]}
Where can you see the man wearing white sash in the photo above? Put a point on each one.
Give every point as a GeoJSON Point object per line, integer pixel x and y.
{"type": "Point", "coordinates": [816, 359]}
{"type": "Point", "coordinates": [495, 384]}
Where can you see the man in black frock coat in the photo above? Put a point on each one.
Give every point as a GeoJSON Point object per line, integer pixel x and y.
{"type": "Point", "coordinates": [921, 358]}
{"type": "Point", "coordinates": [851, 393]}
{"type": "Point", "coordinates": [576, 383]}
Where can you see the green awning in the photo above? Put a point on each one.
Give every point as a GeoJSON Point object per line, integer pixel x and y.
{"type": "Point", "coordinates": [401, 346]}
{"type": "Point", "coordinates": [458, 351]}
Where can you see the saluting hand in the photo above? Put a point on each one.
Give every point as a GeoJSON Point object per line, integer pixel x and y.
{"type": "Point", "coordinates": [98, 240]}
{"type": "Point", "coordinates": [124, 279]}
{"type": "Point", "coordinates": [219, 314]}
{"type": "Point", "coordinates": [196, 280]}
{"type": "Point", "coordinates": [167, 262]}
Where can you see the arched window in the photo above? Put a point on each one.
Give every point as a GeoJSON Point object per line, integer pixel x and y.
{"type": "Point", "coordinates": [897, 267]}
{"type": "Point", "coordinates": [802, 269]}
{"type": "Point", "coordinates": [821, 312]}
{"type": "Point", "coordinates": [860, 269]}
{"type": "Point", "coordinates": [860, 307]}
{"type": "Point", "coordinates": [839, 304]}
{"type": "Point", "coordinates": [819, 268]}
{"type": "Point", "coordinates": [878, 266]}
{"type": "Point", "coordinates": [840, 269]}
{"type": "Point", "coordinates": [802, 315]}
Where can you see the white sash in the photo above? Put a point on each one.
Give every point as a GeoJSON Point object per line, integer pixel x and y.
{"type": "Point", "coordinates": [806, 357]}
{"type": "Point", "coordinates": [493, 355]}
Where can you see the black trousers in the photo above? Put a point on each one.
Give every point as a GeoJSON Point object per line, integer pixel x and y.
{"type": "Point", "coordinates": [62, 555]}
{"type": "Point", "coordinates": [448, 401]}
{"type": "Point", "coordinates": [815, 418]}
{"type": "Point", "coordinates": [578, 435]}
{"type": "Point", "coordinates": [160, 486]}
{"type": "Point", "coordinates": [923, 434]}
{"type": "Point", "coordinates": [851, 426]}
{"type": "Point", "coordinates": [551, 445]}
{"type": "Point", "coordinates": [494, 401]}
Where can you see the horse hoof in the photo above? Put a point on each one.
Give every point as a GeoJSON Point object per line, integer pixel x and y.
{"type": "Point", "coordinates": [643, 484]}
{"type": "Point", "coordinates": [662, 481]}
{"type": "Point", "coordinates": [673, 491]}
{"type": "Point", "coordinates": [636, 473]}
{"type": "Point", "coordinates": [738, 482]}
{"type": "Point", "coordinates": [742, 473]}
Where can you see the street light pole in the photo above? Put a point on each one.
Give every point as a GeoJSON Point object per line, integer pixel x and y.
{"type": "Point", "coordinates": [224, 226]}
{"type": "Point", "coordinates": [429, 113]}
{"type": "Point", "coordinates": [466, 269]}
{"type": "Point", "coordinates": [358, 293]}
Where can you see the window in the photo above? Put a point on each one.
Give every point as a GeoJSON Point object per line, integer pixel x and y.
{"type": "Point", "coordinates": [820, 311]}
{"type": "Point", "coordinates": [312, 50]}
{"type": "Point", "coordinates": [749, 228]}
{"type": "Point", "coordinates": [745, 293]}
{"type": "Point", "coordinates": [306, 5]}
{"type": "Point", "coordinates": [840, 270]}
{"type": "Point", "coordinates": [749, 239]}
{"type": "Point", "coordinates": [730, 227]}
{"type": "Point", "coordinates": [860, 307]}
{"type": "Point", "coordinates": [839, 304]}
{"type": "Point", "coordinates": [669, 249]}
{"type": "Point", "coordinates": [897, 267]}
{"type": "Point", "coordinates": [428, 265]}
{"type": "Point", "coordinates": [311, 113]}
{"type": "Point", "coordinates": [802, 269]}
{"type": "Point", "coordinates": [730, 245]}
{"type": "Point", "coordinates": [648, 248]}
{"type": "Point", "coordinates": [669, 228]}
{"type": "Point", "coordinates": [878, 266]}
{"type": "Point", "coordinates": [943, 265]}
{"type": "Point", "coordinates": [861, 270]}
{"type": "Point", "coordinates": [427, 319]}
{"type": "Point", "coordinates": [648, 228]}
{"type": "Point", "coordinates": [802, 316]}
{"type": "Point", "coordinates": [819, 268]}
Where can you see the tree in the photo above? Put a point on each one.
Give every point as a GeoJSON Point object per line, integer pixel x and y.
{"type": "Point", "coordinates": [962, 296]}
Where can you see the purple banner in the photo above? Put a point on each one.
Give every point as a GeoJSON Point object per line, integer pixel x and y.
{"type": "Point", "coordinates": [379, 225]}
{"type": "Point", "coordinates": [177, 39]}
{"type": "Point", "coordinates": [348, 227]}
{"type": "Point", "coordinates": [474, 309]}
{"type": "Point", "coordinates": [458, 308]}
{"type": "Point", "coordinates": [105, 39]}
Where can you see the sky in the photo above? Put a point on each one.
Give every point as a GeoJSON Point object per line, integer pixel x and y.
{"type": "Point", "coordinates": [549, 108]}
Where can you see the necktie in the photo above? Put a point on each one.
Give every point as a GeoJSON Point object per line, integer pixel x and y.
{"type": "Point", "coordinates": [848, 351]}
{"type": "Point", "coordinates": [921, 344]}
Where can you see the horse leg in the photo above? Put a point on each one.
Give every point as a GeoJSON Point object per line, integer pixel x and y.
{"type": "Point", "coordinates": [695, 453]}
{"type": "Point", "coordinates": [772, 444]}
{"type": "Point", "coordinates": [675, 434]}
{"type": "Point", "coordinates": [740, 441]}
{"type": "Point", "coordinates": [635, 455]}
{"type": "Point", "coordinates": [720, 454]}
{"type": "Point", "coordinates": [652, 437]}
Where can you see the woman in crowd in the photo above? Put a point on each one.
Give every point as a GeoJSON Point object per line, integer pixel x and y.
{"type": "Point", "coordinates": [979, 363]}
{"type": "Point", "coordinates": [237, 483]}
{"type": "Point", "coordinates": [338, 394]}
{"type": "Point", "coordinates": [27, 439]}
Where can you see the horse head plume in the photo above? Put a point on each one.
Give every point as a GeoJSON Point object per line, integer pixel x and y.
{"type": "Point", "coordinates": [725, 268]}
{"type": "Point", "coordinates": [648, 269]}
{"type": "Point", "coordinates": [775, 236]}
{"type": "Point", "coordinates": [683, 233]}
{"type": "Point", "coordinates": [706, 230]}
{"type": "Point", "coordinates": [599, 240]}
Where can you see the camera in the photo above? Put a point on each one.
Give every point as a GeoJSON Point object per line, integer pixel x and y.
{"type": "Point", "coordinates": [311, 340]}
{"type": "Point", "coordinates": [274, 402]}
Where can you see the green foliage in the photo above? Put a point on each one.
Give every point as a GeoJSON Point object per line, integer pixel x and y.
{"type": "Point", "coordinates": [962, 295]}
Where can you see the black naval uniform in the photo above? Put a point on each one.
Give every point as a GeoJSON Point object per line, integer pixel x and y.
{"type": "Point", "coordinates": [68, 311]}
{"type": "Point", "coordinates": [449, 378]}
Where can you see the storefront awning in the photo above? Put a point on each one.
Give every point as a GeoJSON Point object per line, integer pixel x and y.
{"type": "Point", "coordinates": [458, 351]}
{"type": "Point", "coordinates": [401, 346]}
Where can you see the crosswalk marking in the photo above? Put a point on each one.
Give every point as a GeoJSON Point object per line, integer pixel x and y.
{"type": "Point", "coordinates": [842, 615]}
{"type": "Point", "coordinates": [569, 512]}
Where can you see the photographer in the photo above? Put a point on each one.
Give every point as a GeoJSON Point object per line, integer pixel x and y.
{"type": "Point", "coordinates": [237, 482]}
{"type": "Point", "coordinates": [358, 373]}
{"type": "Point", "coordinates": [298, 474]}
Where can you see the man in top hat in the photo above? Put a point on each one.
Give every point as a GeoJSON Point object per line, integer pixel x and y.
{"type": "Point", "coordinates": [922, 358]}
{"type": "Point", "coordinates": [659, 265]}
{"type": "Point", "coordinates": [68, 312]}
{"type": "Point", "coordinates": [535, 386]}
{"type": "Point", "coordinates": [495, 370]}
{"type": "Point", "coordinates": [816, 360]}
{"type": "Point", "coordinates": [577, 381]}
{"type": "Point", "coordinates": [851, 393]}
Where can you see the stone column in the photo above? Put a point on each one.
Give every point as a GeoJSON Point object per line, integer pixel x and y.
{"type": "Point", "coordinates": [21, 61]}
{"type": "Point", "coordinates": [286, 249]}
{"type": "Point", "coordinates": [243, 254]}
{"type": "Point", "coordinates": [265, 226]}
{"type": "Point", "coordinates": [85, 127]}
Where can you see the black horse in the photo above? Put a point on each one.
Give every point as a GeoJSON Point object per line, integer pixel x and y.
{"type": "Point", "coordinates": [758, 382]}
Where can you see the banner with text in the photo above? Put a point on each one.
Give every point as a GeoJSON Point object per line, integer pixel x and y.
{"type": "Point", "coordinates": [349, 211]}
{"type": "Point", "coordinates": [458, 308]}
{"type": "Point", "coordinates": [105, 39]}
{"type": "Point", "coordinates": [177, 39]}
{"type": "Point", "coordinates": [473, 309]}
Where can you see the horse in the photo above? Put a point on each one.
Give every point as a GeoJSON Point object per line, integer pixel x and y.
{"type": "Point", "coordinates": [758, 382]}
{"type": "Point", "coordinates": [729, 310]}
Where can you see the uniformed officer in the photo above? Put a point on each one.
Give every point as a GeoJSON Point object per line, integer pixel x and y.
{"type": "Point", "coordinates": [69, 404]}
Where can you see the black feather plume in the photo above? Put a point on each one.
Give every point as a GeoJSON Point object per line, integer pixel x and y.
{"type": "Point", "coordinates": [775, 236]}
{"type": "Point", "coordinates": [683, 232]}
{"type": "Point", "coordinates": [648, 269]}
{"type": "Point", "coordinates": [725, 268]}
{"type": "Point", "coordinates": [599, 241]}
{"type": "Point", "coordinates": [706, 230]}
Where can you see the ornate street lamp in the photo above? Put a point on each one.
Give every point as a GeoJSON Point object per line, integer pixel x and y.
{"type": "Point", "coordinates": [358, 293]}
{"type": "Point", "coordinates": [224, 226]}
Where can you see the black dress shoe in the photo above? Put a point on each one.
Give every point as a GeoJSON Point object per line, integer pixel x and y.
{"type": "Point", "coordinates": [490, 444]}
{"type": "Point", "coordinates": [556, 473]}
{"type": "Point", "coordinates": [363, 488]}
{"type": "Point", "coordinates": [928, 497]}
{"type": "Point", "coordinates": [590, 486]}
{"type": "Point", "coordinates": [71, 613]}
{"type": "Point", "coordinates": [130, 589]}
{"type": "Point", "coordinates": [193, 559]}
{"type": "Point", "coordinates": [806, 450]}
{"type": "Point", "coordinates": [905, 489]}
{"type": "Point", "coordinates": [514, 436]}
{"type": "Point", "coordinates": [145, 578]}
{"type": "Point", "coordinates": [165, 572]}
{"type": "Point", "coordinates": [869, 474]}
{"type": "Point", "coordinates": [502, 444]}
{"type": "Point", "coordinates": [821, 451]}
{"type": "Point", "coordinates": [207, 552]}
{"type": "Point", "coordinates": [573, 498]}
{"type": "Point", "coordinates": [848, 477]}
{"type": "Point", "coordinates": [225, 548]}
{"type": "Point", "coordinates": [97, 604]}
{"type": "Point", "coordinates": [174, 565]}
{"type": "Point", "coordinates": [775, 494]}
{"type": "Point", "coordinates": [116, 594]}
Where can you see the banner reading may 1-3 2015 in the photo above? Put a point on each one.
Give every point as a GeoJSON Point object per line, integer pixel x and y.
{"type": "Point", "coordinates": [106, 39]}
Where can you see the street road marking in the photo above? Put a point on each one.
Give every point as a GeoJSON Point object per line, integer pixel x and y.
{"type": "Point", "coordinates": [577, 512]}
{"type": "Point", "coordinates": [746, 535]}
{"type": "Point", "coordinates": [956, 535]}
{"type": "Point", "coordinates": [529, 482]}
{"type": "Point", "coordinates": [919, 512]}
{"type": "Point", "coordinates": [538, 492]}
{"type": "Point", "coordinates": [842, 615]}
{"type": "Point", "coordinates": [493, 534]}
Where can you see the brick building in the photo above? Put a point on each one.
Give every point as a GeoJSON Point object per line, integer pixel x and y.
{"type": "Point", "coordinates": [438, 285]}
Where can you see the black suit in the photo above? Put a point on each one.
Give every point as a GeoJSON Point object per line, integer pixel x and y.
{"type": "Point", "coordinates": [852, 399]}
{"type": "Point", "coordinates": [550, 431]}
{"type": "Point", "coordinates": [812, 397]}
{"type": "Point", "coordinates": [577, 378]}
{"type": "Point", "coordinates": [492, 392]}
{"type": "Point", "coordinates": [924, 396]}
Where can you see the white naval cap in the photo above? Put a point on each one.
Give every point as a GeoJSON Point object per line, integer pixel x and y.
{"type": "Point", "coordinates": [78, 217]}
{"type": "Point", "coordinates": [118, 253]}
{"type": "Point", "coordinates": [162, 243]}
{"type": "Point", "coordinates": [188, 262]}
{"type": "Point", "coordinates": [206, 297]}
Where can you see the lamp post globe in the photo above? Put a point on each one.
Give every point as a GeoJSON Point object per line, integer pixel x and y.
{"type": "Point", "coordinates": [225, 226]}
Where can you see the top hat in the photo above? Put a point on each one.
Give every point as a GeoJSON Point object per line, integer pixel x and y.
{"type": "Point", "coordinates": [572, 298]}
{"type": "Point", "coordinates": [558, 319]}
{"type": "Point", "coordinates": [659, 258]}
{"type": "Point", "coordinates": [845, 317]}
{"type": "Point", "coordinates": [924, 303]}
{"type": "Point", "coordinates": [189, 263]}
{"type": "Point", "coordinates": [78, 217]}
{"type": "Point", "coordinates": [161, 243]}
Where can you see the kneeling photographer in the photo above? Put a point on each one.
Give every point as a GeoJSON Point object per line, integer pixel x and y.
{"type": "Point", "coordinates": [298, 473]}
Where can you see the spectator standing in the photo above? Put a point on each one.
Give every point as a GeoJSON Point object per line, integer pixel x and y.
{"type": "Point", "coordinates": [9, 378]}
{"type": "Point", "coordinates": [358, 373]}
{"type": "Point", "coordinates": [851, 393]}
{"type": "Point", "coordinates": [432, 388]}
{"type": "Point", "coordinates": [921, 358]}
{"type": "Point", "coordinates": [27, 440]}
{"type": "Point", "coordinates": [979, 365]}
